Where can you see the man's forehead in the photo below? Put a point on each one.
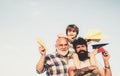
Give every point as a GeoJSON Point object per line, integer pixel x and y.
{"type": "Point", "coordinates": [62, 39]}
{"type": "Point", "coordinates": [80, 45]}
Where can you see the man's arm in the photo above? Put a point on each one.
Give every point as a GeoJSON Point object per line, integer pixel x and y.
{"type": "Point", "coordinates": [85, 70]}
{"type": "Point", "coordinates": [40, 64]}
{"type": "Point", "coordinates": [106, 57]}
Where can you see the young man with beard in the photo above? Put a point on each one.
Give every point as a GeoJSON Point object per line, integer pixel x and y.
{"type": "Point", "coordinates": [55, 64]}
{"type": "Point", "coordinates": [89, 65]}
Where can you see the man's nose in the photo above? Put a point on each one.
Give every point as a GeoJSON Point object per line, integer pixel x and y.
{"type": "Point", "coordinates": [81, 49]}
{"type": "Point", "coordinates": [64, 46]}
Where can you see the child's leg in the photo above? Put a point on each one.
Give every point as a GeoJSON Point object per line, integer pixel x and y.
{"type": "Point", "coordinates": [71, 70]}
{"type": "Point", "coordinates": [92, 57]}
{"type": "Point", "coordinates": [76, 60]}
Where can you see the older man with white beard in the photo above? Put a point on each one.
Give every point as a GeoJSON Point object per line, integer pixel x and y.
{"type": "Point", "coordinates": [56, 63]}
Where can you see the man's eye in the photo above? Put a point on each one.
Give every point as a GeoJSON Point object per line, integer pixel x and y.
{"type": "Point", "coordinates": [60, 45]}
{"type": "Point", "coordinates": [78, 47]}
{"type": "Point", "coordinates": [63, 44]}
{"type": "Point", "coordinates": [66, 44]}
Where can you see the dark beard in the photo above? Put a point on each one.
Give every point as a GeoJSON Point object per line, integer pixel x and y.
{"type": "Point", "coordinates": [83, 55]}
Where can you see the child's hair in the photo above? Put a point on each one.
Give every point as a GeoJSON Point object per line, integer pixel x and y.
{"type": "Point", "coordinates": [72, 26]}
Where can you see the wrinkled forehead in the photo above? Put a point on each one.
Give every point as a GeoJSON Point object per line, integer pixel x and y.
{"type": "Point", "coordinates": [62, 40]}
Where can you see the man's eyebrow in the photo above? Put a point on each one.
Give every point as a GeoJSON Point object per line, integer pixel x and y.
{"type": "Point", "coordinates": [63, 44]}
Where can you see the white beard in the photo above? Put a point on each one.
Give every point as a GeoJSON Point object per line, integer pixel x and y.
{"type": "Point", "coordinates": [63, 53]}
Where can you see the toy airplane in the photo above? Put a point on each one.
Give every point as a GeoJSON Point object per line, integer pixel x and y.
{"type": "Point", "coordinates": [94, 35]}
{"type": "Point", "coordinates": [40, 42]}
{"type": "Point", "coordinates": [95, 46]}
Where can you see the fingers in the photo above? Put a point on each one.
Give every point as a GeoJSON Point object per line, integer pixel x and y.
{"type": "Point", "coordinates": [42, 51]}
{"type": "Point", "coordinates": [105, 54]}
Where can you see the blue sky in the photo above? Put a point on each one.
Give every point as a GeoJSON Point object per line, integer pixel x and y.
{"type": "Point", "coordinates": [22, 21]}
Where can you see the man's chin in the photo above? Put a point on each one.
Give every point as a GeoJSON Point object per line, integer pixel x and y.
{"type": "Point", "coordinates": [64, 54]}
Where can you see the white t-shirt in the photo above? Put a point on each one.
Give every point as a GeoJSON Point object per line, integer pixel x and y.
{"type": "Point", "coordinates": [85, 64]}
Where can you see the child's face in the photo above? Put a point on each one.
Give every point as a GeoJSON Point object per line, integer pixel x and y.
{"type": "Point", "coordinates": [72, 34]}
